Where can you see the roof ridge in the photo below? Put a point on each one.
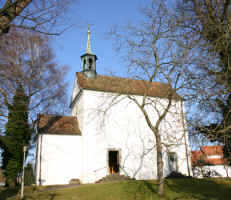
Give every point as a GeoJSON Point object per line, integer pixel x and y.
{"type": "Point", "coordinates": [127, 78]}
{"type": "Point", "coordinates": [212, 146]}
{"type": "Point", "coordinates": [127, 86]}
{"type": "Point", "coordinates": [54, 115]}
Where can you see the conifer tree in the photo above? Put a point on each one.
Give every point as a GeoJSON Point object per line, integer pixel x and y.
{"type": "Point", "coordinates": [17, 134]}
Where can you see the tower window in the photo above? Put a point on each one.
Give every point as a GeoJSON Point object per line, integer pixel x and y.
{"type": "Point", "coordinates": [90, 63]}
{"type": "Point", "coordinates": [84, 63]}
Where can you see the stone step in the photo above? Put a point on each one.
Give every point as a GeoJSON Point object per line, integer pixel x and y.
{"type": "Point", "coordinates": [113, 177]}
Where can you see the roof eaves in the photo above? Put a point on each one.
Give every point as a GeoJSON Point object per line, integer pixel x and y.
{"type": "Point", "coordinates": [76, 97]}
{"type": "Point", "coordinates": [63, 133]}
{"type": "Point", "coordinates": [178, 98]}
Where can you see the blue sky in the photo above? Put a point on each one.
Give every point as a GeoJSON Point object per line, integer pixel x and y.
{"type": "Point", "coordinates": [102, 15]}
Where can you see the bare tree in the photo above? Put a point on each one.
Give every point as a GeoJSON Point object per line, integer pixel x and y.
{"type": "Point", "coordinates": [153, 54]}
{"type": "Point", "coordinates": [27, 59]}
{"type": "Point", "coordinates": [37, 15]}
{"type": "Point", "coordinates": [205, 25]}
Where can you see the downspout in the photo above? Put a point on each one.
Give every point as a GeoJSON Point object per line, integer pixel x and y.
{"type": "Point", "coordinates": [185, 141]}
{"type": "Point", "coordinates": [40, 159]}
{"type": "Point", "coordinates": [37, 154]}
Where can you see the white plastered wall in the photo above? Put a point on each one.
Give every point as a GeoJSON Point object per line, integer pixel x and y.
{"type": "Point", "coordinates": [76, 90]}
{"type": "Point", "coordinates": [124, 128]}
{"type": "Point", "coordinates": [59, 159]}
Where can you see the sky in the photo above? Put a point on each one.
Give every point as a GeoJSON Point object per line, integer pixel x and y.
{"type": "Point", "coordinates": [102, 15]}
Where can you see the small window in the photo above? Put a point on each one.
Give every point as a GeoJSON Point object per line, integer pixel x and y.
{"type": "Point", "coordinates": [172, 161]}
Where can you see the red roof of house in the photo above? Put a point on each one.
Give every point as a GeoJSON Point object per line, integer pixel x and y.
{"type": "Point", "coordinates": [201, 157]}
{"type": "Point", "coordinates": [212, 150]}
{"type": "Point", "coordinates": [54, 124]}
{"type": "Point", "coordinates": [126, 86]}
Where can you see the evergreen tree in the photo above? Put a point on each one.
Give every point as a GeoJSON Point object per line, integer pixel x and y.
{"type": "Point", "coordinates": [17, 134]}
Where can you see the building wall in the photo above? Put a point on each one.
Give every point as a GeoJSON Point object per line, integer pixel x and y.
{"type": "Point", "coordinates": [76, 89]}
{"type": "Point", "coordinates": [59, 159]}
{"type": "Point", "coordinates": [124, 128]}
{"type": "Point", "coordinates": [77, 110]}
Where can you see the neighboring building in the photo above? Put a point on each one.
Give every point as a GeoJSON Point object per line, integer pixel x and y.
{"type": "Point", "coordinates": [2, 178]}
{"type": "Point", "coordinates": [93, 143]}
{"type": "Point", "coordinates": [209, 162]}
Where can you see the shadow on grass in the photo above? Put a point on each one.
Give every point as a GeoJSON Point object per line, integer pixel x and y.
{"type": "Point", "coordinates": [200, 189]}
{"type": "Point", "coordinates": [140, 189]}
{"type": "Point", "coordinates": [52, 196]}
{"type": "Point", "coordinates": [42, 196]}
{"type": "Point", "coordinates": [6, 193]}
{"type": "Point", "coordinates": [180, 189]}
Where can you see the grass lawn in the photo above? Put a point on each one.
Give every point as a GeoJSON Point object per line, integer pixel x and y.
{"type": "Point", "coordinates": [176, 189]}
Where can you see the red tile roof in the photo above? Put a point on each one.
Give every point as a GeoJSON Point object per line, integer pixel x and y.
{"type": "Point", "coordinates": [212, 150]}
{"type": "Point", "coordinates": [201, 157]}
{"type": "Point", "coordinates": [126, 86]}
{"type": "Point", "coordinates": [54, 124]}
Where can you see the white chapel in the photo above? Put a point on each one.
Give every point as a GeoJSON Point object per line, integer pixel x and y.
{"type": "Point", "coordinates": [107, 133]}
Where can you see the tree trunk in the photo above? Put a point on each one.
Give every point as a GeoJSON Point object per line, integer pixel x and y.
{"type": "Point", "coordinates": [11, 183]}
{"type": "Point", "coordinates": [9, 12]}
{"type": "Point", "coordinates": [159, 165]}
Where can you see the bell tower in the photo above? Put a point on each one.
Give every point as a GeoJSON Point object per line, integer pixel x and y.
{"type": "Point", "coordinates": [89, 60]}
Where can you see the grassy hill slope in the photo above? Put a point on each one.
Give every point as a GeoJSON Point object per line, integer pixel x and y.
{"type": "Point", "coordinates": [176, 189]}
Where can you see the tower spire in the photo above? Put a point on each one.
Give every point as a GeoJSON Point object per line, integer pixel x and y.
{"type": "Point", "coordinates": [89, 60]}
{"type": "Point", "coordinates": [88, 40]}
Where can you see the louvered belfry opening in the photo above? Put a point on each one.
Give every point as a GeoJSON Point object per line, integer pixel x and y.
{"type": "Point", "coordinates": [113, 162]}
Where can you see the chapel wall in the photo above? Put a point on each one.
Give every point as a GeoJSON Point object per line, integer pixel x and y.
{"type": "Point", "coordinates": [124, 128]}
{"type": "Point", "coordinates": [59, 160]}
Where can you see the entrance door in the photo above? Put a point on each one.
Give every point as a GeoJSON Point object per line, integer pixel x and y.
{"type": "Point", "coordinates": [113, 162]}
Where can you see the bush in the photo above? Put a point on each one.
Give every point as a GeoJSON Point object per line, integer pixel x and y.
{"type": "Point", "coordinates": [74, 181]}
{"type": "Point", "coordinates": [177, 175]}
